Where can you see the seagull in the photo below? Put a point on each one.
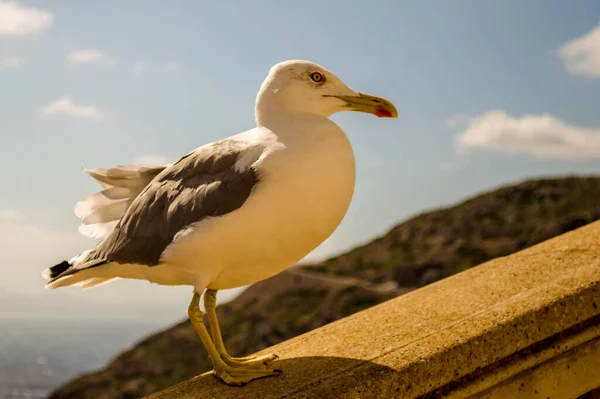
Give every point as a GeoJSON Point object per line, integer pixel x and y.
{"type": "Point", "coordinates": [231, 212]}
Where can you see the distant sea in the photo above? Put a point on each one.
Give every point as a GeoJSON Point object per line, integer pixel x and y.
{"type": "Point", "coordinates": [37, 356]}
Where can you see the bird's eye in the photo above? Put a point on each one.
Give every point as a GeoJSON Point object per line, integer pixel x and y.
{"type": "Point", "coordinates": [317, 77]}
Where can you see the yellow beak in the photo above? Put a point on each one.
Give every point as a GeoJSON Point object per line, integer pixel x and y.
{"type": "Point", "coordinates": [378, 106]}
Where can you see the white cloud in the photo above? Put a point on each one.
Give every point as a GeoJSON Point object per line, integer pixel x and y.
{"type": "Point", "coordinates": [10, 215]}
{"type": "Point", "coordinates": [11, 62]}
{"type": "Point", "coordinates": [173, 67]}
{"type": "Point", "coordinates": [66, 106]}
{"type": "Point", "coordinates": [152, 159]}
{"type": "Point", "coordinates": [582, 55]}
{"type": "Point", "coordinates": [542, 136]}
{"type": "Point", "coordinates": [90, 56]}
{"type": "Point", "coordinates": [139, 67]}
{"type": "Point", "coordinates": [16, 19]}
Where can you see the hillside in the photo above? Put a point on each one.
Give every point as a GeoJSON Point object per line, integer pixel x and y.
{"type": "Point", "coordinates": [414, 253]}
{"type": "Point", "coordinates": [437, 244]}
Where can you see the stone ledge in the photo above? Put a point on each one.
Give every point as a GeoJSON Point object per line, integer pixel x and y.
{"type": "Point", "coordinates": [517, 325]}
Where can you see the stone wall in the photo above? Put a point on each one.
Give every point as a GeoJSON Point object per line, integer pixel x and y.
{"type": "Point", "coordinates": [526, 325]}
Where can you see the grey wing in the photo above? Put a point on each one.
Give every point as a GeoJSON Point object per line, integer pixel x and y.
{"type": "Point", "coordinates": [204, 183]}
{"type": "Point", "coordinates": [101, 211]}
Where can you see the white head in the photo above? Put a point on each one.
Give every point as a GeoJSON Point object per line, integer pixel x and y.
{"type": "Point", "coordinates": [306, 87]}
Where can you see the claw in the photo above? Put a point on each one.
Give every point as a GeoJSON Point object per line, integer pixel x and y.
{"type": "Point", "coordinates": [251, 362]}
{"type": "Point", "coordinates": [241, 376]}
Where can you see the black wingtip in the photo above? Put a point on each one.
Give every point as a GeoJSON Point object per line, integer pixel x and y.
{"type": "Point", "coordinates": [58, 269]}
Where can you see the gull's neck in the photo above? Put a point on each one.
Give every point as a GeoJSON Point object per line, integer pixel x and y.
{"type": "Point", "coordinates": [287, 117]}
{"type": "Point", "coordinates": [282, 118]}
{"type": "Point", "coordinates": [289, 125]}
{"type": "Point", "coordinates": [273, 107]}
{"type": "Point", "coordinates": [270, 110]}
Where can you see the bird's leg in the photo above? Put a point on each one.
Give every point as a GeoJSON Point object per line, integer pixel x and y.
{"type": "Point", "coordinates": [228, 374]}
{"type": "Point", "coordinates": [210, 302]}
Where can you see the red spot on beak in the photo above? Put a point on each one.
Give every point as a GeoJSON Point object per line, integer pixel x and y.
{"type": "Point", "coordinates": [383, 112]}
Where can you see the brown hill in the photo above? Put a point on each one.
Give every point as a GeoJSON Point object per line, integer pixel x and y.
{"type": "Point", "coordinates": [419, 251]}
{"type": "Point", "coordinates": [437, 244]}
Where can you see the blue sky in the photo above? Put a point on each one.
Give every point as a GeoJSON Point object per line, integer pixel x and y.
{"type": "Point", "coordinates": [488, 93]}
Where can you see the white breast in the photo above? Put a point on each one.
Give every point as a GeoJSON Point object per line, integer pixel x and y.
{"type": "Point", "coordinates": [304, 192]}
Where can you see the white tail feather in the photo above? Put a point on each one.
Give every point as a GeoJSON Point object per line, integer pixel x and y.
{"type": "Point", "coordinates": [95, 282]}
{"type": "Point", "coordinates": [101, 211]}
{"type": "Point", "coordinates": [128, 176]}
{"type": "Point", "coordinates": [102, 199]}
{"type": "Point", "coordinates": [98, 275]}
{"type": "Point", "coordinates": [98, 230]}
{"type": "Point", "coordinates": [106, 213]}
{"type": "Point", "coordinates": [46, 274]}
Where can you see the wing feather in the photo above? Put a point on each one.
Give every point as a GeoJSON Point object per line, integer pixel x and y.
{"type": "Point", "coordinates": [208, 182]}
{"type": "Point", "coordinates": [128, 176]}
{"type": "Point", "coordinates": [98, 230]}
{"type": "Point", "coordinates": [101, 199]}
{"type": "Point", "coordinates": [100, 211]}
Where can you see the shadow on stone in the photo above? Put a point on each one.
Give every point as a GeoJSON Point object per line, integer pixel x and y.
{"type": "Point", "coordinates": [325, 375]}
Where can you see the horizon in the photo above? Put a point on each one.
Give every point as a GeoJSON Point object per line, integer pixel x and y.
{"type": "Point", "coordinates": [488, 95]}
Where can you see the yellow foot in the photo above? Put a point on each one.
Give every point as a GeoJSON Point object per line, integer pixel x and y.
{"type": "Point", "coordinates": [259, 362]}
{"type": "Point", "coordinates": [240, 376]}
